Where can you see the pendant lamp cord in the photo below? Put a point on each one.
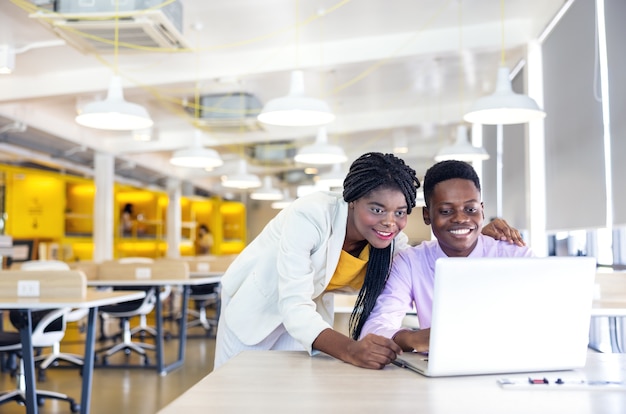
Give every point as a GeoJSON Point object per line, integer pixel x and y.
{"type": "Point", "coordinates": [116, 37]}
{"type": "Point", "coordinates": [196, 88]}
{"type": "Point", "coordinates": [462, 65]}
{"type": "Point", "coordinates": [297, 29]}
{"type": "Point", "coordinates": [502, 30]}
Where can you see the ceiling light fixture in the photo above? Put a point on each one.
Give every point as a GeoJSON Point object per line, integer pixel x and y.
{"type": "Point", "coordinates": [321, 152]}
{"type": "Point", "coordinates": [267, 191]}
{"type": "Point", "coordinates": [285, 202]}
{"type": "Point", "coordinates": [462, 150]}
{"type": "Point", "coordinates": [196, 156]}
{"type": "Point", "coordinates": [296, 109]}
{"type": "Point", "coordinates": [241, 180]}
{"type": "Point", "coordinates": [332, 179]}
{"type": "Point", "coordinates": [504, 106]}
{"type": "Point", "coordinates": [8, 52]}
{"type": "Point", "coordinates": [400, 145]}
{"type": "Point", "coordinates": [114, 113]}
{"type": "Point", "coordinates": [7, 59]}
{"type": "Point", "coordinates": [146, 134]}
{"type": "Point", "coordinates": [419, 198]}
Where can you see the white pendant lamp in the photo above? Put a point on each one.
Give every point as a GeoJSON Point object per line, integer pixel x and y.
{"type": "Point", "coordinates": [504, 107]}
{"type": "Point", "coordinates": [196, 156]}
{"type": "Point", "coordinates": [296, 109]}
{"type": "Point", "coordinates": [419, 198]}
{"type": "Point", "coordinates": [145, 135]}
{"type": "Point", "coordinates": [321, 152]}
{"type": "Point", "coordinates": [114, 113]}
{"type": "Point", "coordinates": [284, 202]}
{"type": "Point", "coordinates": [7, 59]}
{"type": "Point", "coordinates": [242, 179]}
{"type": "Point", "coordinates": [267, 191]}
{"type": "Point", "coordinates": [332, 179]}
{"type": "Point", "coordinates": [462, 150]}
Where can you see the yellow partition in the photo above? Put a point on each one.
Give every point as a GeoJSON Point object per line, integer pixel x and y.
{"type": "Point", "coordinates": [57, 210]}
{"type": "Point", "coordinates": [35, 205]}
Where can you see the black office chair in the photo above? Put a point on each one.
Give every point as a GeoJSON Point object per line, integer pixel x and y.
{"type": "Point", "coordinates": [73, 315]}
{"type": "Point", "coordinates": [143, 329]}
{"type": "Point", "coordinates": [127, 310]}
{"type": "Point", "coordinates": [204, 297]}
{"type": "Point", "coordinates": [207, 296]}
{"type": "Point", "coordinates": [48, 329]}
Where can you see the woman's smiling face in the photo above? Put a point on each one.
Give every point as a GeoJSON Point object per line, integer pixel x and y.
{"type": "Point", "coordinates": [455, 214]}
{"type": "Point", "coordinates": [377, 217]}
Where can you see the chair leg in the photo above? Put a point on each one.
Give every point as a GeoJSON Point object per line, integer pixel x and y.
{"type": "Point", "coordinates": [143, 327]}
{"type": "Point", "coordinates": [201, 319]}
{"type": "Point", "coordinates": [53, 359]}
{"type": "Point", "coordinates": [14, 395]}
{"type": "Point", "coordinates": [19, 394]}
{"type": "Point", "coordinates": [127, 346]}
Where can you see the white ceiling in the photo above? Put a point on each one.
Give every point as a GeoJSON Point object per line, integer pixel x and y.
{"type": "Point", "coordinates": [388, 69]}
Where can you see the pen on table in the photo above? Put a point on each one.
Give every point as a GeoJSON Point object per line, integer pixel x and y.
{"type": "Point", "coordinates": [399, 363]}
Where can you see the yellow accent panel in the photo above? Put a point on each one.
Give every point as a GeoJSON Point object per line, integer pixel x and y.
{"type": "Point", "coordinates": [35, 206]}
{"type": "Point", "coordinates": [135, 197]}
{"type": "Point", "coordinates": [79, 209]}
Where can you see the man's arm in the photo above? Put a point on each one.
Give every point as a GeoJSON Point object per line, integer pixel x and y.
{"type": "Point", "coordinates": [413, 340]}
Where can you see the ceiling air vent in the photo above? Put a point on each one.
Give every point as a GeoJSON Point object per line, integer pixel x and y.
{"type": "Point", "coordinates": [90, 26]}
{"type": "Point", "coordinates": [235, 110]}
{"type": "Point", "coordinates": [274, 153]}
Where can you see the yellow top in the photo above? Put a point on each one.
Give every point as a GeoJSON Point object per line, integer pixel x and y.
{"type": "Point", "coordinates": [350, 270]}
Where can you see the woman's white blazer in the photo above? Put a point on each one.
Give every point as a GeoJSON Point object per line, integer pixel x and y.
{"type": "Point", "coordinates": [280, 277]}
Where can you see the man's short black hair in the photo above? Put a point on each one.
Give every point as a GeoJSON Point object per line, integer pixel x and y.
{"type": "Point", "coordinates": [447, 170]}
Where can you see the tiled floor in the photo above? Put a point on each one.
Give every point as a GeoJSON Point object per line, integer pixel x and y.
{"type": "Point", "coordinates": [122, 390]}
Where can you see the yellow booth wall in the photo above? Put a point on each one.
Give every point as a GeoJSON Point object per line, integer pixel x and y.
{"type": "Point", "coordinates": [35, 204]}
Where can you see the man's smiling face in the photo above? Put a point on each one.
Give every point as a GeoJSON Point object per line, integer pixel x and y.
{"type": "Point", "coordinates": [455, 214]}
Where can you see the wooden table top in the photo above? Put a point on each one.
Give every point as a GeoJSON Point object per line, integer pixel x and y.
{"type": "Point", "coordinates": [92, 299]}
{"type": "Point", "coordinates": [282, 381]}
{"type": "Point", "coordinates": [192, 281]}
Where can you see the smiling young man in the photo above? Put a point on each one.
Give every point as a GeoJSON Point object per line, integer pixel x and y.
{"type": "Point", "coordinates": [454, 211]}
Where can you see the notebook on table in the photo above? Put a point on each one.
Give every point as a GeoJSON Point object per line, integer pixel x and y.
{"type": "Point", "coordinates": [507, 315]}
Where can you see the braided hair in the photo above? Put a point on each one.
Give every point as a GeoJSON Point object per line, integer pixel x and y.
{"type": "Point", "coordinates": [374, 171]}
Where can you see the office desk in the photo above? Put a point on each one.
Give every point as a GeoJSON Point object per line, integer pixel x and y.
{"type": "Point", "coordinates": [215, 276]}
{"type": "Point", "coordinates": [161, 367]}
{"type": "Point", "coordinates": [293, 382]}
{"type": "Point", "coordinates": [610, 295]}
{"type": "Point", "coordinates": [609, 302]}
{"type": "Point", "coordinates": [93, 300]}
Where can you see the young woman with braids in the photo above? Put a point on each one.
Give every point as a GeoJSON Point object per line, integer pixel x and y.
{"type": "Point", "coordinates": [275, 295]}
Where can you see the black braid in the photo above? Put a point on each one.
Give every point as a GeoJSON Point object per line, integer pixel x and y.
{"type": "Point", "coordinates": [370, 172]}
{"type": "Point", "coordinates": [378, 267]}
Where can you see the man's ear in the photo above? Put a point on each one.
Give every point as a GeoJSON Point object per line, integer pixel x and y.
{"type": "Point", "coordinates": [482, 206]}
{"type": "Point", "coordinates": [426, 216]}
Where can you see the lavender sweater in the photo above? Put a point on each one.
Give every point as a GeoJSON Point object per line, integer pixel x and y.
{"type": "Point", "coordinates": [411, 282]}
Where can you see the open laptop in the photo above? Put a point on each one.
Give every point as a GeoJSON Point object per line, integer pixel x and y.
{"type": "Point", "coordinates": [507, 315]}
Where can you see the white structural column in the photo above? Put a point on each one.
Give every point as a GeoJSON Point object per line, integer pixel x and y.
{"type": "Point", "coordinates": [174, 218]}
{"type": "Point", "coordinates": [103, 219]}
{"type": "Point", "coordinates": [606, 111]}
{"type": "Point", "coordinates": [536, 163]}
{"type": "Point", "coordinates": [477, 141]}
